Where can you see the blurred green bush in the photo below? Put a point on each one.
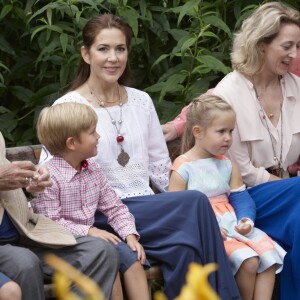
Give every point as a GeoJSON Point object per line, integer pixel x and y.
{"type": "Point", "coordinates": [180, 49]}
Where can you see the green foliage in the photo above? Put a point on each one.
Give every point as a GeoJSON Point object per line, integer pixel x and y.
{"type": "Point", "coordinates": [180, 49]}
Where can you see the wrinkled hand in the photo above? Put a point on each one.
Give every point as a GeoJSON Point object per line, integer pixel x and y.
{"type": "Point", "coordinates": [135, 246]}
{"type": "Point", "coordinates": [19, 174]}
{"type": "Point", "coordinates": [104, 235]}
{"type": "Point", "coordinates": [243, 228]}
{"type": "Point", "coordinates": [39, 181]}
{"type": "Point", "coordinates": [223, 234]}
{"type": "Point", "coordinates": [169, 132]}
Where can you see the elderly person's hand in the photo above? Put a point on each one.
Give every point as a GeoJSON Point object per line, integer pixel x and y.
{"type": "Point", "coordinates": [23, 174]}
{"type": "Point", "coordinates": [39, 181]}
{"type": "Point", "coordinates": [169, 132]}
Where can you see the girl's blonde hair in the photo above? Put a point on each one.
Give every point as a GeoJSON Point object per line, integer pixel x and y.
{"type": "Point", "coordinates": [202, 111]}
{"type": "Point", "coordinates": [61, 121]}
{"type": "Point", "coordinates": [261, 27]}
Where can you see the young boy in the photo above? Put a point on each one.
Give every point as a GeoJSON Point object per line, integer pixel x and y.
{"type": "Point", "coordinates": [68, 131]}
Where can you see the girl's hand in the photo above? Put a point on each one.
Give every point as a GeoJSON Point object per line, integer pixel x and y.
{"type": "Point", "coordinates": [244, 227]}
{"type": "Point", "coordinates": [104, 235]}
{"type": "Point", "coordinates": [134, 245]}
{"type": "Point", "coordinates": [223, 233]}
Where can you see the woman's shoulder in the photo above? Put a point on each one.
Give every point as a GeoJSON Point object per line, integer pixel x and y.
{"type": "Point", "coordinates": [232, 81]}
{"type": "Point", "coordinates": [139, 98]}
{"type": "Point", "coordinates": [72, 96]}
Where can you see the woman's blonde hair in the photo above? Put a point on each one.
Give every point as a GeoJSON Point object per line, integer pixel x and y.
{"type": "Point", "coordinates": [261, 27]}
{"type": "Point", "coordinates": [61, 121]}
{"type": "Point", "coordinates": [202, 111]}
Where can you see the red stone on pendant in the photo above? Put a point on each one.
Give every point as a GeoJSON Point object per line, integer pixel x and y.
{"type": "Point", "coordinates": [120, 138]}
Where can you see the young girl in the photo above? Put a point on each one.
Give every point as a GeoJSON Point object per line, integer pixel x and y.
{"type": "Point", "coordinates": [253, 256]}
{"type": "Point", "coordinates": [68, 130]}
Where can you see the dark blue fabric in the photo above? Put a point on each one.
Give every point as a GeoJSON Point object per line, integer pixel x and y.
{"type": "Point", "coordinates": [127, 257]}
{"type": "Point", "coordinates": [3, 279]}
{"type": "Point", "coordinates": [178, 228]}
{"type": "Point", "coordinates": [7, 228]}
{"type": "Point", "coordinates": [243, 205]}
{"type": "Point", "coordinates": [278, 214]}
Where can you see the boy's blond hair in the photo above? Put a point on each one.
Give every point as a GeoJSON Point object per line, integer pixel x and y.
{"type": "Point", "coordinates": [61, 121]}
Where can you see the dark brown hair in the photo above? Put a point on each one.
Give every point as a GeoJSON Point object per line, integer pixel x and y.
{"type": "Point", "coordinates": [89, 33]}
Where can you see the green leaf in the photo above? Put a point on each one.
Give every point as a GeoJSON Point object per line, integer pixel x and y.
{"type": "Point", "coordinates": [21, 93]}
{"type": "Point", "coordinates": [5, 46]}
{"type": "Point", "coordinates": [178, 34]}
{"type": "Point", "coordinates": [49, 16]}
{"type": "Point", "coordinates": [4, 67]}
{"type": "Point", "coordinates": [64, 42]}
{"type": "Point", "coordinates": [40, 11]}
{"type": "Point", "coordinates": [217, 22]}
{"type": "Point", "coordinates": [5, 10]}
{"type": "Point", "coordinates": [131, 16]}
{"type": "Point", "coordinates": [162, 57]}
{"type": "Point", "coordinates": [37, 30]}
{"type": "Point", "coordinates": [213, 64]}
{"type": "Point", "coordinates": [188, 43]}
{"type": "Point", "coordinates": [173, 84]}
{"type": "Point", "coordinates": [189, 8]}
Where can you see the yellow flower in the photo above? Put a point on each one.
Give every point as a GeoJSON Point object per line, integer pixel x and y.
{"type": "Point", "coordinates": [197, 280]}
{"type": "Point", "coordinates": [187, 293]}
{"type": "Point", "coordinates": [159, 296]}
{"type": "Point", "coordinates": [65, 274]}
{"type": "Point", "coordinates": [197, 286]}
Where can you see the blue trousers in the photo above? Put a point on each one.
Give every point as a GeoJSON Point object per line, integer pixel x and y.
{"type": "Point", "coordinates": [278, 214]}
{"type": "Point", "coordinates": [178, 228]}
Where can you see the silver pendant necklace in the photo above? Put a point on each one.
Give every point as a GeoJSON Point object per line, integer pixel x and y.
{"type": "Point", "coordinates": [123, 157]}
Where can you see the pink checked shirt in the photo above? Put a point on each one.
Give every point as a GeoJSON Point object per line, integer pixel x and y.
{"type": "Point", "coordinates": [75, 196]}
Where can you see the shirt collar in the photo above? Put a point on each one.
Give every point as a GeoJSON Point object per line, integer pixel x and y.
{"type": "Point", "coordinates": [66, 170]}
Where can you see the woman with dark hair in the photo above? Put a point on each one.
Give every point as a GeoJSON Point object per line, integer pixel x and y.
{"type": "Point", "coordinates": [175, 228]}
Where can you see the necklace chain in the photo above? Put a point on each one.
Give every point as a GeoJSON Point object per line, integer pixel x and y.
{"type": "Point", "coordinates": [123, 157]}
{"type": "Point", "coordinates": [278, 169]}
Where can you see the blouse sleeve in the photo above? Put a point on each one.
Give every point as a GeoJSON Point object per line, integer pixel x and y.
{"type": "Point", "coordinates": [159, 160]}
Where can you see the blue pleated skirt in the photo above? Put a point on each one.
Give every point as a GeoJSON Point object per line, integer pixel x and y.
{"type": "Point", "coordinates": [178, 228]}
{"type": "Point", "coordinates": [278, 214]}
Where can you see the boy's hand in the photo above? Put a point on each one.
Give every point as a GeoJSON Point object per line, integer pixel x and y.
{"type": "Point", "coordinates": [134, 245]}
{"type": "Point", "coordinates": [103, 234]}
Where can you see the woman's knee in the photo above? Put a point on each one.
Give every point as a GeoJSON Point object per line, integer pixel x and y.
{"type": "Point", "coordinates": [250, 265]}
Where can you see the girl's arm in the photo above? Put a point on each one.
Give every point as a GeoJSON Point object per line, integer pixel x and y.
{"type": "Point", "coordinates": [236, 179]}
{"type": "Point", "coordinates": [242, 202]}
{"type": "Point", "coordinates": [176, 182]}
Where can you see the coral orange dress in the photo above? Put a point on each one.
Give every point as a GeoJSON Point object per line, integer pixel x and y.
{"type": "Point", "coordinates": [211, 176]}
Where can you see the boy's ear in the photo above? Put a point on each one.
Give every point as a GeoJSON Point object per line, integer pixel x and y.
{"type": "Point", "coordinates": [198, 131]}
{"type": "Point", "coordinates": [70, 143]}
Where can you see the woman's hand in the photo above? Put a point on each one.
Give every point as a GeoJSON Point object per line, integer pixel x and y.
{"type": "Point", "coordinates": [135, 246]}
{"type": "Point", "coordinates": [104, 235]}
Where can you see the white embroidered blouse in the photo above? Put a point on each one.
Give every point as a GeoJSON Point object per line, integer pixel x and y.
{"type": "Point", "coordinates": [143, 141]}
